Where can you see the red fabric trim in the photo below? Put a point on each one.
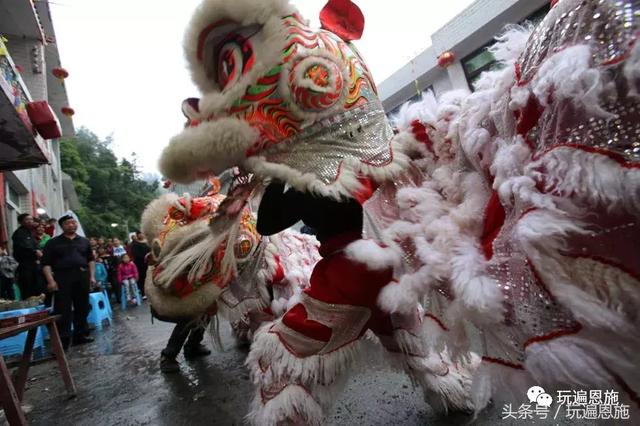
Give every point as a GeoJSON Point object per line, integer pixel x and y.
{"type": "Point", "coordinates": [494, 216]}
{"type": "Point", "coordinates": [437, 321]}
{"type": "Point", "coordinates": [554, 335]}
{"type": "Point", "coordinates": [296, 319]}
{"type": "Point", "coordinates": [278, 275]}
{"type": "Point", "coordinates": [528, 116]}
{"type": "Point", "coordinates": [618, 158]}
{"type": "Point", "coordinates": [368, 187]}
{"type": "Point", "coordinates": [502, 362]}
{"type": "Point", "coordinates": [419, 131]}
{"type": "Point", "coordinates": [294, 353]}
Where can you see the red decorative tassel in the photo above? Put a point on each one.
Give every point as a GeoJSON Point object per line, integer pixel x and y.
{"type": "Point", "coordinates": [343, 18]}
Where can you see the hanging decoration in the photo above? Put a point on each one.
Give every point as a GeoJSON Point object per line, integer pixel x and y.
{"type": "Point", "coordinates": [60, 73]}
{"type": "Point", "coordinates": [445, 59]}
{"type": "Point", "coordinates": [68, 111]}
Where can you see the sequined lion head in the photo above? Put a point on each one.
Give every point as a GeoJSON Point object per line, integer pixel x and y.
{"type": "Point", "coordinates": [281, 99]}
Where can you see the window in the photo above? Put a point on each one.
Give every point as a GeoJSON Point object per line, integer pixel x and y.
{"type": "Point", "coordinates": [483, 60]}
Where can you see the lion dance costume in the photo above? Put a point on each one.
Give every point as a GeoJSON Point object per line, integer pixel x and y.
{"type": "Point", "coordinates": [296, 105]}
{"type": "Point", "coordinates": [512, 210]}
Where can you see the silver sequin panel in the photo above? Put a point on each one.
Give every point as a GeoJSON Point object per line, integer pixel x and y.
{"type": "Point", "coordinates": [363, 134]}
{"type": "Point", "coordinates": [608, 26]}
{"type": "Point", "coordinates": [530, 311]}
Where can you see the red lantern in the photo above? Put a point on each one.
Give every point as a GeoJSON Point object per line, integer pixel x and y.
{"type": "Point", "coordinates": [445, 59]}
{"type": "Point", "coordinates": [60, 73]}
{"type": "Point", "coordinates": [167, 184]}
{"type": "Point", "coordinates": [68, 111]}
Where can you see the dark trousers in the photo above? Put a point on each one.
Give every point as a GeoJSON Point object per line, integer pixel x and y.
{"type": "Point", "coordinates": [28, 279]}
{"type": "Point", "coordinates": [73, 292]}
{"type": "Point", "coordinates": [191, 331]}
{"type": "Point", "coordinates": [142, 276]}
{"type": "Point", "coordinates": [6, 288]}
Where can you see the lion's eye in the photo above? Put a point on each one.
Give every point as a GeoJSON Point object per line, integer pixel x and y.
{"type": "Point", "coordinates": [235, 57]}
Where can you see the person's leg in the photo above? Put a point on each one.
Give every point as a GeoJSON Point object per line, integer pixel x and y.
{"type": "Point", "coordinates": [168, 363]}
{"type": "Point", "coordinates": [127, 290]}
{"type": "Point", "coordinates": [7, 288]}
{"type": "Point", "coordinates": [31, 280]}
{"type": "Point", "coordinates": [142, 271]}
{"type": "Point", "coordinates": [194, 347]}
{"type": "Point", "coordinates": [23, 279]}
{"type": "Point", "coordinates": [80, 296]}
{"type": "Point", "coordinates": [62, 306]}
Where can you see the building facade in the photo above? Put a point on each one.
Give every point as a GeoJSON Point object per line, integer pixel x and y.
{"type": "Point", "coordinates": [31, 180]}
{"type": "Point", "coordinates": [466, 39]}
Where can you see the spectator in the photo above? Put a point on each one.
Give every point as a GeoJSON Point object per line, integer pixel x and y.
{"type": "Point", "coordinates": [8, 267]}
{"type": "Point", "coordinates": [101, 242]}
{"type": "Point", "coordinates": [101, 275]}
{"type": "Point", "coordinates": [111, 266]}
{"type": "Point", "coordinates": [26, 252]}
{"type": "Point", "coordinates": [41, 236]}
{"type": "Point", "coordinates": [93, 243]}
{"type": "Point", "coordinates": [118, 249]}
{"type": "Point", "coordinates": [128, 277]}
{"type": "Point", "coordinates": [139, 250]}
{"type": "Point", "coordinates": [69, 268]}
{"type": "Point", "coordinates": [50, 227]}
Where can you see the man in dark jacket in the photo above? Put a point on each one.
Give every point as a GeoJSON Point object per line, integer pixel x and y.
{"type": "Point", "coordinates": [139, 250]}
{"type": "Point", "coordinates": [25, 251]}
{"type": "Point", "coordinates": [69, 268]}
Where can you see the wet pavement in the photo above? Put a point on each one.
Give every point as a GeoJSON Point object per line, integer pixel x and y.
{"type": "Point", "coordinates": [119, 383]}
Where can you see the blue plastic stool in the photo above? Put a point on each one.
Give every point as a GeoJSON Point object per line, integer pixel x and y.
{"type": "Point", "coordinates": [15, 345]}
{"type": "Point", "coordinates": [106, 296]}
{"type": "Point", "coordinates": [99, 310]}
{"type": "Point", "coordinates": [123, 297]}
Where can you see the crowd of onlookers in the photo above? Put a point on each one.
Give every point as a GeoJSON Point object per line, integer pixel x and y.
{"type": "Point", "coordinates": [118, 265]}
{"type": "Point", "coordinates": [121, 266]}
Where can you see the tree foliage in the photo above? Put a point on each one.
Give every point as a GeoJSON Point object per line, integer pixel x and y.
{"type": "Point", "coordinates": [110, 191]}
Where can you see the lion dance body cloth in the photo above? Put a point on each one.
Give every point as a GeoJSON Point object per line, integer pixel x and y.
{"type": "Point", "coordinates": [523, 218]}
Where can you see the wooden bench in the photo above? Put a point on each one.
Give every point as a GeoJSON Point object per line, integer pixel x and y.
{"type": "Point", "coordinates": [12, 391]}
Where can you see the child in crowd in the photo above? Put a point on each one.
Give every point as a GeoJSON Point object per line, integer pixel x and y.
{"type": "Point", "coordinates": [101, 275]}
{"type": "Point", "coordinates": [118, 249]}
{"type": "Point", "coordinates": [128, 277]}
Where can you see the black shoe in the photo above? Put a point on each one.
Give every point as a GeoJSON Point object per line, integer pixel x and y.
{"type": "Point", "coordinates": [82, 340]}
{"type": "Point", "coordinates": [168, 364]}
{"type": "Point", "coordinates": [196, 351]}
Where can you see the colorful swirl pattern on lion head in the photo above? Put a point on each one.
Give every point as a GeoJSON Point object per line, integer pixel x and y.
{"type": "Point", "coordinates": [183, 218]}
{"type": "Point", "coordinates": [280, 99]}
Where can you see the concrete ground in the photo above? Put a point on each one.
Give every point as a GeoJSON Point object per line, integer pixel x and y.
{"type": "Point", "coordinates": [119, 383]}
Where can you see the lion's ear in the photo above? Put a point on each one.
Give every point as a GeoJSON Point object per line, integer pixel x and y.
{"type": "Point", "coordinates": [343, 18]}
